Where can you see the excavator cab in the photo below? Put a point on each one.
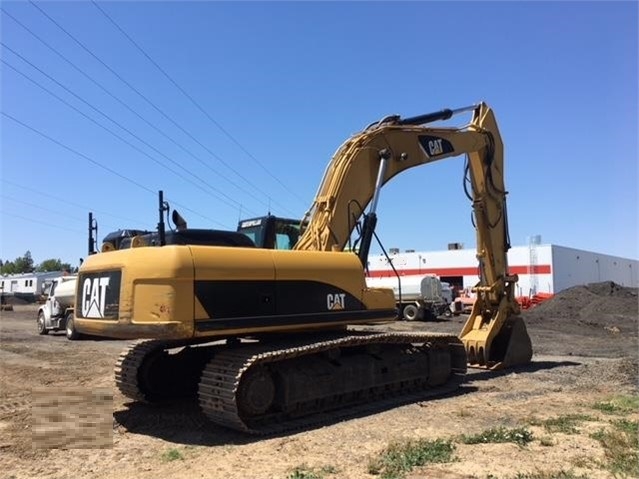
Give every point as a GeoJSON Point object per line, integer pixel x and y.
{"type": "Point", "coordinates": [272, 232]}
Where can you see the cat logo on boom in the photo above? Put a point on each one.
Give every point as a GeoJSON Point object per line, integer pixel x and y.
{"type": "Point", "coordinates": [335, 302]}
{"type": "Point", "coordinates": [435, 146]}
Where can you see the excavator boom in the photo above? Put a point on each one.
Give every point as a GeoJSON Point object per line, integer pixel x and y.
{"type": "Point", "coordinates": [494, 335]}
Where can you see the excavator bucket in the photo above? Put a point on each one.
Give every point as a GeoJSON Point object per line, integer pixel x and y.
{"type": "Point", "coordinates": [510, 347]}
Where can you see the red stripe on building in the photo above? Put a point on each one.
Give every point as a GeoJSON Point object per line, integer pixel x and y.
{"type": "Point", "coordinates": [538, 269]}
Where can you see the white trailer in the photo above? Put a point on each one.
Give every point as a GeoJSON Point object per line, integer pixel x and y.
{"type": "Point", "coordinates": [27, 286]}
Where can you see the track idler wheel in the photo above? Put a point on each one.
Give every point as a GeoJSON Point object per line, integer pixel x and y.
{"type": "Point", "coordinates": [256, 392]}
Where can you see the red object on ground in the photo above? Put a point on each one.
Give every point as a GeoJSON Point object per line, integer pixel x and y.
{"type": "Point", "coordinates": [526, 303]}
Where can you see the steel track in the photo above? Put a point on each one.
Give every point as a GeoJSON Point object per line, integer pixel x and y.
{"type": "Point", "coordinates": [223, 375]}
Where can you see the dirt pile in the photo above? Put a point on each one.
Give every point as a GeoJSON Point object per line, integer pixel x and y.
{"type": "Point", "coordinates": [605, 304]}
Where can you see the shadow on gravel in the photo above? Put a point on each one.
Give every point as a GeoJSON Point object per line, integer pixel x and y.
{"type": "Point", "coordinates": [179, 422]}
{"type": "Point", "coordinates": [484, 375]}
{"type": "Point", "coordinates": [183, 422]}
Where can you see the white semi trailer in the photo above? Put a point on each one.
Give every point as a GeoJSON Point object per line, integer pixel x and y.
{"type": "Point", "coordinates": [56, 314]}
{"type": "Point", "coordinates": [418, 296]}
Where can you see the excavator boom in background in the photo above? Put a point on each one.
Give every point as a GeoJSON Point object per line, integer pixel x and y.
{"type": "Point", "coordinates": [256, 321]}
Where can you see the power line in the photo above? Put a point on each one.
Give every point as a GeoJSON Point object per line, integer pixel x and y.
{"type": "Point", "coordinates": [58, 214]}
{"type": "Point", "coordinates": [39, 222]}
{"type": "Point", "coordinates": [44, 208]}
{"type": "Point", "coordinates": [62, 200]}
{"type": "Point", "coordinates": [124, 104]}
{"type": "Point", "coordinates": [4, 180]}
{"type": "Point", "coordinates": [100, 165]}
{"type": "Point", "coordinates": [186, 208]}
{"type": "Point", "coordinates": [82, 155]}
{"type": "Point", "coordinates": [195, 103]}
{"type": "Point", "coordinates": [113, 121]}
{"type": "Point", "coordinates": [214, 155]}
{"type": "Point", "coordinates": [161, 132]}
{"type": "Point", "coordinates": [86, 116]}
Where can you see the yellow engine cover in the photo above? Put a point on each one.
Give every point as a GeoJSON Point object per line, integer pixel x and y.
{"type": "Point", "coordinates": [185, 291]}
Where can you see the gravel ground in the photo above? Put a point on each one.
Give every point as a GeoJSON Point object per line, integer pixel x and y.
{"type": "Point", "coordinates": [585, 352]}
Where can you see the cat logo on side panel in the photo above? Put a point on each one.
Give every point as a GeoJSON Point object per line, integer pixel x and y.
{"type": "Point", "coordinates": [335, 302]}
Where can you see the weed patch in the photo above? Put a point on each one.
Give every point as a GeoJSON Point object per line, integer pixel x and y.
{"type": "Point", "coordinates": [629, 427]}
{"type": "Point", "coordinates": [621, 448]}
{"type": "Point", "coordinates": [565, 424]}
{"type": "Point", "coordinates": [550, 475]}
{"type": "Point", "coordinates": [401, 457]}
{"type": "Point", "coordinates": [172, 455]}
{"type": "Point", "coordinates": [618, 405]}
{"type": "Point", "coordinates": [520, 436]}
{"type": "Point", "coordinates": [304, 472]}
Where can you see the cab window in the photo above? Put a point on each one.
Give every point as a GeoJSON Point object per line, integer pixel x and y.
{"type": "Point", "coordinates": [286, 235]}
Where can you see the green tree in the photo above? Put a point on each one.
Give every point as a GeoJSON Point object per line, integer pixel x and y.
{"type": "Point", "coordinates": [53, 265]}
{"type": "Point", "coordinates": [8, 267]}
{"type": "Point", "coordinates": [23, 264]}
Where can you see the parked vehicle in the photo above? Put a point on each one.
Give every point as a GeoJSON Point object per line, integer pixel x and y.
{"type": "Point", "coordinates": [447, 292]}
{"type": "Point", "coordinates": [57, 312]}
{"type": "Point", "coordinates": [455, 305]}
{"type": "Point", "coordinates": [417, 297]}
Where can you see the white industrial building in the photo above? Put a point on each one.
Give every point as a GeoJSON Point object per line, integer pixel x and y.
{"type": "Point", "coordinates": [27, 285]}
{"type": "Point", "coordinates": [541, 268]}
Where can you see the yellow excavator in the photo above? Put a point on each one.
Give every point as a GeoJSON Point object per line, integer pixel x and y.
{"type": "Point", "coordinates": [255, 322]}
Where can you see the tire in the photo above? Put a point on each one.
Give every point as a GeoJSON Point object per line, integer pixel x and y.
{"type": "Point", "coordinates": [42, 327]}
{"type": "Point", "coordinates": [411, 312]}
{"type": "Point", "coordinates": [72, 333]}
{"type": "Point", "coordinates": [448, 313]}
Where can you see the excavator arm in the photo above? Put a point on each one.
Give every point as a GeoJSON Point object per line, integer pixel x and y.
{"type": "Point", "coordinates": [494, 336]}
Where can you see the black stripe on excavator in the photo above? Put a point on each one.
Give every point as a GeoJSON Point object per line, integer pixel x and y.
{"type": "Point", "coordinates": [292, 320]}
{"type": "Point", "coordinates": [246, 298]}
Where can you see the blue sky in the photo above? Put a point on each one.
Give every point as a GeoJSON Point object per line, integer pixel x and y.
{"type": "Point", "coordinates": [284, 84]}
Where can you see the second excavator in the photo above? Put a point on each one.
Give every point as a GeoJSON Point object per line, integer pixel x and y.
{"type": "Point", "coordinates": [261, 334]}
